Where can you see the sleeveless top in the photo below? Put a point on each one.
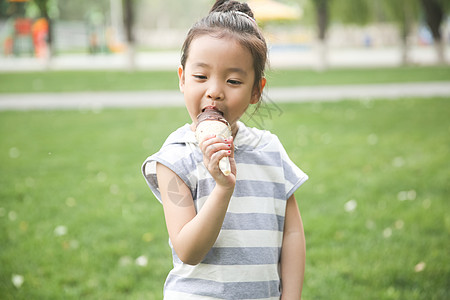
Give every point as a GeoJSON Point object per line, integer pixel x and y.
{"type": "Point", "coordinates": [244, 261]}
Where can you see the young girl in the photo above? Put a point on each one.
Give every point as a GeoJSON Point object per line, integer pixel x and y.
{"type": "Point", "coordinates": [238, 236]}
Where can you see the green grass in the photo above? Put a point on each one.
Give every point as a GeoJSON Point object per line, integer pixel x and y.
{"type": "Point", "coordinates": [71, 81]}
{"type": "Point", "coordinates": [81, 170]}
{"type": "Point", "coordinates": [77, 81]}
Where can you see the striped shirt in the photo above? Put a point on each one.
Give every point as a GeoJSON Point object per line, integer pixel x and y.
{"type": "Point", "coordinates": [244, 261]}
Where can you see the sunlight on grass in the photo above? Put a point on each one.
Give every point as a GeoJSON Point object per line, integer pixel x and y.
{"type": "Point", "coordinates": [78, 220]}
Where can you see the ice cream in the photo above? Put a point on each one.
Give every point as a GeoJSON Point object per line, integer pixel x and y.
{"type": "Point", "coordinates": [211, 121]}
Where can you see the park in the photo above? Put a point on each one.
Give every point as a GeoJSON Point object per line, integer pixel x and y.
{"type": "Point", "coordinates": [77, 220]}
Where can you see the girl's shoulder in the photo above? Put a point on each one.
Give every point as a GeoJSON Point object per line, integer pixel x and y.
{"type": "Point", "coordinates": [179, 145]}
{"type": "Point", "coordinates": [178, 154]}
{"type": "Point", "coordinates": [182, 135]}
{"type": "Point", "coordinates": [252, 138]}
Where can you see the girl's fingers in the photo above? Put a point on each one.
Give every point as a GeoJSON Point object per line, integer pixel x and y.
{"type": "Point", "coordinates": [230, 142]}
{"type": "Point", "coordinates": [217, 156]}
{"type": "Point", "coordinates": [214, 149]}
{"type": "Point", "coordinates": [213, 164]}
{"type": "Point", "coordinates": [211, 145]}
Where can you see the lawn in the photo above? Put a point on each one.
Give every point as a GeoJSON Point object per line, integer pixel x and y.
{"type": "Point", "coordinates": [77, 220]}
{"type": "Point", "coordinates": [67, 81]}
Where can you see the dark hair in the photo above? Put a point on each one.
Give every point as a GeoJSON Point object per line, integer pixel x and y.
{"type": "Point", "coordinates": [232, 19]}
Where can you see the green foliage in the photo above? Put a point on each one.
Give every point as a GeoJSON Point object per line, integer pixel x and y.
{"type": "Point", "coordinates": [47, 7]}
{"type": "Point", "coordinates": [352, 11]}
{"type": "Point", "coordinates": [75, 212]}
{"type": "Point", "coordinates": [401, 11]}
{"type": "Point", "coordinates": [361, 12]}
{"type": "Point", "coordinates": [78, 10]}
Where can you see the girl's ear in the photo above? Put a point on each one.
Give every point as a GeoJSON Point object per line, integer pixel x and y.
{"type": "Point", "coordinates": [181, 78]}
{"type": "Point", "coordinates": [257, 91]}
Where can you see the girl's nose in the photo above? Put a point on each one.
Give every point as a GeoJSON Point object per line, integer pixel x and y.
{"type": "Point", "coordinates": [214, 92]}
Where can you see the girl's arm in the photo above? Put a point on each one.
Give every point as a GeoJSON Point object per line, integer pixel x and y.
{"type": "Point", "coordinates": [293, 253]}
{"type": "Point", "coordinates": [193, 234]}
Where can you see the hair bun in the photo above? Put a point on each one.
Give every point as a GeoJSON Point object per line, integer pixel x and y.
{"type": "Point", "coordinates": [227, 5]}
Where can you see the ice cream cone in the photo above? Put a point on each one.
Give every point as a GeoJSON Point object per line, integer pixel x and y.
{"type": "Point", "coordinates": [212, 122]}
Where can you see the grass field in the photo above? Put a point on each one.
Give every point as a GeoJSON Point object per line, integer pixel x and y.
{"type": "Point", "coordinates": [77, 220]}
{"type": "Point", "coordinates": [67, 81]}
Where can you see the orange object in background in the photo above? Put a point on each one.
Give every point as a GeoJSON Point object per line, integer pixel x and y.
{"type": "Point", "coordinates": [8, 46]}
{"type": "Point", "coordinates": [22, 38]}
{"type": "Point", "coordinates": [113, 45]}
{"type": "Point", "coordinates": [22, 26]}
{"type": "Point", "coordinates": [40, 32]}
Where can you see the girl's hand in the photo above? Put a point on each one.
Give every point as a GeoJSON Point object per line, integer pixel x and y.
{"type": "Point", "coordinates": [214, 149]}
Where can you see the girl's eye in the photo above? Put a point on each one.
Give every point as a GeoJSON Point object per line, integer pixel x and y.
{"type": "Point", "coordinates": [234, 82]}
{"type": "Point", "coordinates": [201, 77]}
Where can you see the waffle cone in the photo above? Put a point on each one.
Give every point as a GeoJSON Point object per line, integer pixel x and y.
{"type": "Point", "coordinates": [218, 128]}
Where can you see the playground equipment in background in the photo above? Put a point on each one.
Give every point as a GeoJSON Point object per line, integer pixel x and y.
{"type": "Point", "coordinates": [27, 37]}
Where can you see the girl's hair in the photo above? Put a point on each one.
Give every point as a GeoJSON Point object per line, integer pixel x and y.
{"type": "Point", "coordinates": [232, 19]}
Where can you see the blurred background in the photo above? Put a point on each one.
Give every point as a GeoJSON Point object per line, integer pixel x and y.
{"type": "Point", "coordinates": [358, 92]}
{"type": "Point", "coordinates": [311, 33]}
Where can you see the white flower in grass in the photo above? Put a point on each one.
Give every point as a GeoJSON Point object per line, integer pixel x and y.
{"type": "Point", "coordinates": [114, 189]}
{"type": "Point", "coordinates": [60, 230]}
{"type": "Point", "coordinates": [420, 267]}
{"type": "Point", "coordinates": [426, 203]}
{"type": "Point", "coordinates": [14, 152]}
{"type": "Point", "coordinates": [350, 206]}
{"type": "Point", "coordinates": [12, 215]}
{"type": "Point", "coordinates": [125, 261]}
{"type": "Point", "coordinates": [142, 261]}
{"type": "Point", "coordinates": [101, 177]}
{"type": "Point", "coordinates": [17, 280]}
{"type": "Point", "coordinates": [411, 195]}
{"type": "Point", "coordinates": [399, 224]}
{"type": "Point", "coordinates": [398, 162]}
{"type": "Point", "coordinates": [370, 224]}
{"type": "Point", "coordinates": [372, 139]}
{"type": "Point", "coordinates": [71, 202]}
{"type": "Point", "coordinates": [387, 233]}
{"type": "Point", "coordinates": [325, 138]}
{"type": "Point", "coordinates": [407, 195]}
{"type": "Point", "coordinates": [74, 244]}
{"type": "Point", "coordinates": [402, 196]}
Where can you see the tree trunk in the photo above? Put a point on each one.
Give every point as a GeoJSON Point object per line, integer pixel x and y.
{"type": "Point", "coordinates": [434, 15]}
{"type": "Point", "coordinates": [322, 18]}
{"type": "Point", "coordinates": [322, 25]}
{"type": "Point", "coordinates": [405, 45]}
{"type": "Point", "coordinates": [406, 30]}
{"type": "Point", "coordinates": [439, 46]}
{"type": "Point", "coordinates": [129, 21]}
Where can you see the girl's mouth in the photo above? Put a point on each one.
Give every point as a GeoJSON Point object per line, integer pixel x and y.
{"type": "Point", "coordinates": [211, 107]}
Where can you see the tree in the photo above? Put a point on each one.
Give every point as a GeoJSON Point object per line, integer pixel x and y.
{"type": "Point", "coordinates": [434, 15]}
{"type": "Point", "coordinates": [70, 10]}
{"type": "Point", "coordinates": [322, 19]}
{"type": "Point", "coordinates": [347, 11]}
{"type": "Point", "coordinates": [358, 12]}
{"type": "Point", "coordinates": [404, 13]}
{"type": "Point", "coordinates": [128, 18]}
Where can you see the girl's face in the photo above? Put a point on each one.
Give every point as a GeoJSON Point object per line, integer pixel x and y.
{"type": "Point", "coordinates": [218, 73]}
